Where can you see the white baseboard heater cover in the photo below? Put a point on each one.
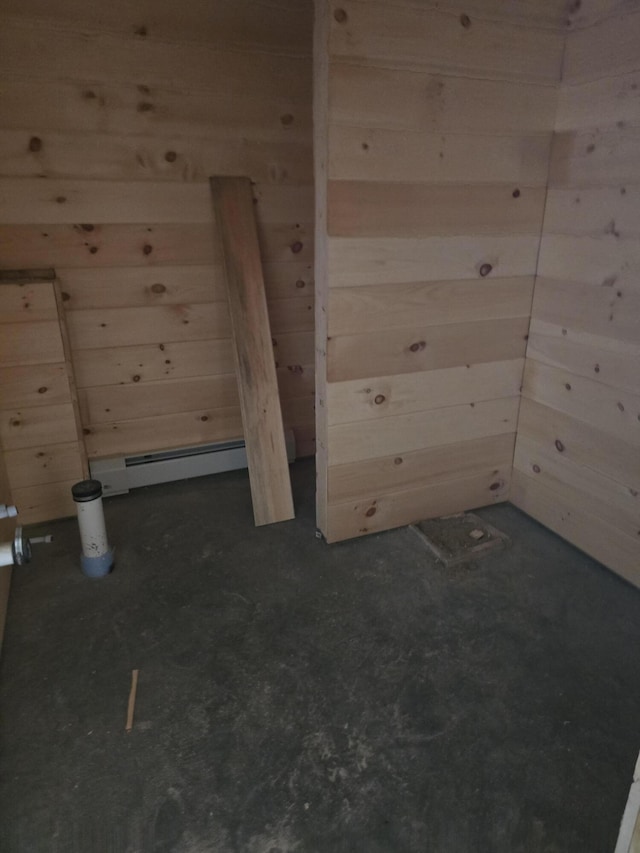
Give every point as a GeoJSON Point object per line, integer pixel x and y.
{"type": "Point", "coordinates": [122, 473]}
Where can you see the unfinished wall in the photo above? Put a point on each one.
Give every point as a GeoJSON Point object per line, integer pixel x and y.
{"type": "Point", "coordinates": [40, 432]}
{"type": "Point", "coordinates": [577, 462]}
{"type": "Point", "coordinates": [112, 117]}
{"type": "Point", "coordinates": [433, 126]}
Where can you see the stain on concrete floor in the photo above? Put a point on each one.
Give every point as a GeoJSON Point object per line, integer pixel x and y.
{"type": "Point", "coordinates": [295, 696]}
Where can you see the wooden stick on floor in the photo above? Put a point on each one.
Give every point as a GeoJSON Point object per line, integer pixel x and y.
{"type": "Point", "coordinates": [132, 699]}
{"type": "Point", "coordinates": [253, 347]}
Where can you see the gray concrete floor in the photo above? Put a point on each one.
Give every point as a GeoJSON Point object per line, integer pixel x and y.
{"type": "Point", "coordinates": [295, 696]}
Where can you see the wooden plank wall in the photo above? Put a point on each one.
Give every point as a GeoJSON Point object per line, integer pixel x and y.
{"type": "Point", "coordinates": [112, 117]}
{"type": "Point", "coordinates": [577, 461]}
{"type": "Point", "coordinates": [433, 128]}
{"type": "Point", "coordinates": [40, 433]}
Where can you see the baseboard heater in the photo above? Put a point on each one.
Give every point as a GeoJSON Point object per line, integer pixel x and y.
{"type": "Point", "coordinates": [122, 473]}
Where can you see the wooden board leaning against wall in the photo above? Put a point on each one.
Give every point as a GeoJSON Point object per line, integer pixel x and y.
{"type": "Point", "coordinates": [110, 126]}
{"type": "Point", "coordinates": [433, 129]}
{"type": "Point", "coordinates": [577, 461]}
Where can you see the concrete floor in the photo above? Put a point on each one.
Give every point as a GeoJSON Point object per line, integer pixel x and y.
{"type": "Point", "coordinates": [300, 697]}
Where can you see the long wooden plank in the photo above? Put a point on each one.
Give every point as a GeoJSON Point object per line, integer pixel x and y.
{"type": "Point", "coordinates": [381, 397]}
{"type": "Point", "coordinates": [28, 51]}
{"type": "Point", "coordinates": [144, 244]}
{"type": "Point", "coordinates": [422, 38]}
{"type": "Point", "coordinates": [113, 327]}
{"type": "Point", "coordinates": [363, 261]}
{"type": "Point", "coordinates": [407, 100]}
{"type": "Point", "coordinates": [113, 403]}
{"type": "Point", "coordinates": [163, 157]}
{"type": "Point", "coordinates": [615, 412]}
{"type": "Point", "coordinates": [353, 442]}
{"type": "Point", "coordinates": [151, 362]}
{"type": "Point", "coordinates": [385, 511]}
{"type": "Point", "coordinates": [356, 481]}
{"type": "Point", "coordinates": [378, 209]}
{"type": "Point", "coordinates": [163, 432]}
{"type": "Point", "coordinates": [356, 310]}
{"type": "Point", "coordinates": [605, 211]}
{"type": "Point", "coordinates": [605, 359]}
{"type": "Point", "coordinates": [24, 201]}
{"type": "Point", "coordinates": [250, 25]}
{"type": "Point", "coordinates": [601, 260]}
{"type": "Point", "coordinates": [376, 154]}
{"type": "Point", "coordinates": [259, 399]}
{"type": "Point", "coordinates": [580, 442]}
{"type": "Point", "coordinates": [610, 311]}
{"type": "Point", "coordinates": [138, 286]}
{"type": "Point", "coordinates": [617, 503]}
{"type": "Point", "coordinates": [410, 350]}
{"type": "Point", "coordinates": [174, 113]}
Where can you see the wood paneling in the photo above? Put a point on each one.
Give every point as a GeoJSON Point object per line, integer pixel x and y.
{"type": "Point", "coordinates": [394, 509]}
{"type": "Point", "coordinates": [358, 441]}
{"type": "Point", "coordinates": [425, 348]}
{"type": "Point", "coordinates": [377, 209]}
{"type": "Point", "coordinates": [360, 262]}
{"type": "Point", "coordinates": [577, 458]}
{"type": "Point", "coordinates": [382, 397]}
{"type": "Point", "coordinates": [437, 103]}
{"type": "Point", "coordinates": [370, 154]}
{"type": "Point", "coordinates": [40, 432]}
{"type": "Point", "coordinates": [112, 121]}
{"type": "Point", "coordinates": [355, 481]}
{"type": "Point", "coordinates": [433, 132]}
{"type": "Point", "coordinates": [423, 38]}
{"type": "Point", "coordinates": [389, 306]}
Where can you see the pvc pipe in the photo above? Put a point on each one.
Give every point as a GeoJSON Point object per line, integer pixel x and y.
{"type": "Point", "coordinates": [97, 557]}
{"type": "Point", "coordinates": [8, 511]}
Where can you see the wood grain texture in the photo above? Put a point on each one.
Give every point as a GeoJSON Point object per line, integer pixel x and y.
{"type": "Point", "coordinates": [112, 116]}
{"type": "Point", "coordinates": [395, 509]}
{"type": "Point", "coordinates": [433, 130]}
{"type": "Point", "coordinates": [40, 428]}
{"type": "Point", "coordinates": [377, 209]}
{"type": "Point", "coordinates": [355, 481]}
{"type": "Point", "coordinates": [353, 442]}
{"type": "Point", "coordinates": [423, 38]}
{"type": "Point", "coordinates": [577, 465]}
{"type": "Point", "coordinates": [388, 306]}
{"type": "Point", "coordinates": [255, 369]}
{"type": "Point", "coordinates": [425, 348]}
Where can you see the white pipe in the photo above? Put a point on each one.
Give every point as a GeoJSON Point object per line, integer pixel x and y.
{"type": "Point", "coordinates": [97, 557]}
{"type": "Point", "coordinates": [8, 511]}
